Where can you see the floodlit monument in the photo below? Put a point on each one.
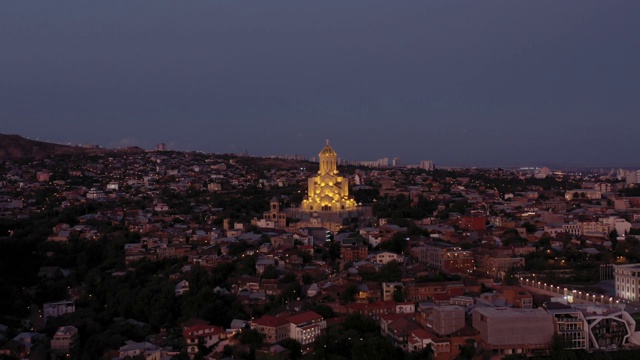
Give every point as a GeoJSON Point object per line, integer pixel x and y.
{"type": "Point", "coordinates": [328, 191]}
{"type": "Point", "coordinates": [327, 203]}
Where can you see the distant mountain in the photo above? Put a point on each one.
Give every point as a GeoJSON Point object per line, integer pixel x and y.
{"type": "Point", "coordinates": [15, 147]}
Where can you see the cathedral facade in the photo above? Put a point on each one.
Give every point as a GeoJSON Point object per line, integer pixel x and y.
{"type": "Point", "coordinates": [328, 191]}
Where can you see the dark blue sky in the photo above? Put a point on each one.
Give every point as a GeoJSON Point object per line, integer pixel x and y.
{"type": "Point", "coordinates": [463, 83]}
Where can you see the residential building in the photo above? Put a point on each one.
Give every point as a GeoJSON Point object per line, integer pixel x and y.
{"type": "Point", "coordinates": [274, 328]}
{"type": "Point", "coordinates": [386, 257]}
{"type": "Point", "coordinates": [263, 264]}
{"type": "Point", "coordinates": [517, 297]}
{"type": "Point", "coordinates": [474, 222]}
{"type": "Point", "coordinates": [59, 308]}
{"type": "Point", "coordinates": [571, 324]}
{"type": "Point", "coordinates": [573, 228]}
{"type": "Point", "coordinates": [65, 340]}
{"type": "Point", "coordinates": [273, 352]}
{"type": "Point", "coordinates": [181, 287]}
{"type": "Point", "coordinates": [590, 194]}
{"type": "Point", "coordinates": [398, 329]}
{"type": "Point", "coordinates": [495, 264]}
{"type": "Point", "coordinates": [201, 334]}
{"type": "Point", "coordinates": [132, 349]}
{"type": "Point", "coordinates": [354, 252]}
{"type": "Point", "coordinates": [369, 292]}
{"type": "Point", "coordinates": [447, 258]}
{"type": "Point", "coordinates": [388, 288]}
{"type": "Point", "coordinates": [95, 194]}
{"type": "Point", "coordinates": [434, 290]}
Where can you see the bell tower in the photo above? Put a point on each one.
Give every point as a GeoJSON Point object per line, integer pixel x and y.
{"type": "Point", "coordinates": [274, 205]}
{"type": "Point", "coordinates": [328, 161]}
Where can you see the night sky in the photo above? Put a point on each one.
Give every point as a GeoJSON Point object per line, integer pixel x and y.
{"type": "Point", "coordinates": [462, 83]}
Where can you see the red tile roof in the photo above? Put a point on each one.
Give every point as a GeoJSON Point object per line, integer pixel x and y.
{"type": "Point", "coordinates": [270, 321]}
{"type": "Point", "coordinates": [304, 317]}
{"type": "Point", "coordinates": [421, 333]}
{"type": "Point", "coordinates": [202, 330]}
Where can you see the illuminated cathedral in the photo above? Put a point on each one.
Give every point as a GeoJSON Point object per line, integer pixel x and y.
{"type": "Point", "coordinates": [328, 191]}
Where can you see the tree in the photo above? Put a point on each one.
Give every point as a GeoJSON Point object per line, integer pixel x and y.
{"type": "Point", "coordinates": [360, 323]}
{"type": "Point", "coordinates": [375, 347]}
{"type": "Point", "coordinates": [396, 244]}
{"type": "Point", "coordinates": [398, 296]}
{"type": "Point", "coordinates": [467, 351]}
{"type": "Point", "coordinates": [424, 354]}
{"type": "Point", "coordinates": [529, 227]}
{"type": "Point", "coordinates": [613, 237]}
{"type": "Point", "coordinates": [294, 347]}
{"type": "Point", "coordinates": [349, 294]}
{"type": "Point", "coordinates": [270, 272]}
{"type": "Point", "coordinates": [511, 277]}
{"type": "Point", "coordinates": [307, 279]}
{"type": "Point", "coordinates": [390, 272]}
{"type": "Point", "coordinates": [323, 310]}
{"type": "Point", "coordinates": [251, 337]}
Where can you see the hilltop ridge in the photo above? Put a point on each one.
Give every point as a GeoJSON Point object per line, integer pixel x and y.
{"type": "Point", "coordinates": [14, 146]}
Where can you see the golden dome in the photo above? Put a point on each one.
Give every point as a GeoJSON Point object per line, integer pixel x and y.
{"type": "Point", "coordinates": [328, 150]}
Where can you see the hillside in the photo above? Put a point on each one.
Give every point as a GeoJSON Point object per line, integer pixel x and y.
{"type": "Point", "coordinates": [16, 146]}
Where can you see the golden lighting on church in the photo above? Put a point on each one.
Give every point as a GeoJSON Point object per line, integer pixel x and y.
{"type": "Point", "coordinates": [328, 191]}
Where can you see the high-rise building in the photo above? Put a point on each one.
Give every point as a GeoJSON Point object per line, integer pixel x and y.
{"type": "Point", "coordinates": [427, 165]}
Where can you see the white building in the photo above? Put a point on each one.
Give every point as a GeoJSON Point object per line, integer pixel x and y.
{"type": "Point", "coordinates": [306, 327]}
{"type": "Point", "coordinates": [621, 226]}
{"type": "Point", "coordinates": [595, 228]}
{"type": "Point", "coordinates": [576, 194]}
{"type": "Point", "coordinates": [573, 228]}
{"type": "Point", "coordinates": [65, 339]}
{"type": "Point", "coordinates": [201, 334]}
{"type": "Point", "coordinates": [388, 288]}
{"type": "Point", "coordinates": [95, 194]}
{"type": "Point", "coordinates": [59, 308]}
{"type": "Point", "coordinates": [427, 165]}
{"type": "Point", "coordinates": [571, 324]}
{"type": "Point", "coordinates": [627, 281]}
{"type": "Point", "coordinates": [386, 257]}
{"type": "Point", "coordinates": [182, 287]}
{"type": "Point", "coordinates": [610, 327]}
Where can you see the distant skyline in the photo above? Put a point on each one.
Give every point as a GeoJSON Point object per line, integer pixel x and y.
{"type": "Point", "coordinates": [461, 83]}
